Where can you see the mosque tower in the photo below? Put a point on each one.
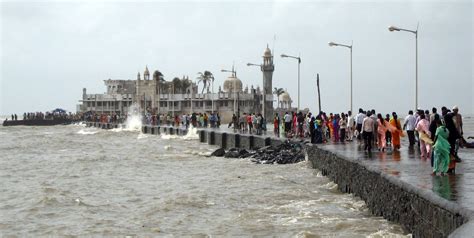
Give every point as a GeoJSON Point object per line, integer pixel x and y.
{"type": "Point", "coordinates": [267, 70]}
{"type": "Point", "coordinates": [146, 74]}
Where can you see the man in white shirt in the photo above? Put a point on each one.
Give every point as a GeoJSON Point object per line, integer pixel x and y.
{"type": "Point", "coordinates": [350, 126]}
{"type": "Point", "coordinates": [287, 119]}
{"type": "Point", "coordinates": [359, 119]}
{"type": "Point", "coordinates": [367, 131]}
{"type": "Point", "coordinates": [409, 125]}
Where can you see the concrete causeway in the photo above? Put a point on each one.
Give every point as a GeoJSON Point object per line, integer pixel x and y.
{"type": "Point", "coordinates": [395, 185]}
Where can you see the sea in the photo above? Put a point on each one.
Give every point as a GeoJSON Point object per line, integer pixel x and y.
{"type": "Point", "coordinates": [78, 181]}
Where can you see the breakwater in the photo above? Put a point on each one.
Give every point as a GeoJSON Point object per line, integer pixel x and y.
{"type": "Point", "coordinates": [422, 213]}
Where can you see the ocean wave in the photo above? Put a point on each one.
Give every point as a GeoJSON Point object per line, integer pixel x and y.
{"type": "Point", "coordinates": [87, 132]}
{"type": "Point", "coordinates": [192, 134]}
{"type": "Point", "coordinates": [387, 234]}
{"type": "Point", "coordinates": [169, 137]}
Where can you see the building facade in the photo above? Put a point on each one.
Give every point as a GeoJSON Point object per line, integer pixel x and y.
{"type": "Point", "coordinates": [181, 96]}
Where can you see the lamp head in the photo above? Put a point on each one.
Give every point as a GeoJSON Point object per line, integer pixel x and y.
{"type": "Point", "coordinates": [284, 56]}
{"type": "Point", "coordinates": [332, 44]}
{"type": "Point", "coordinates": [393, 28]}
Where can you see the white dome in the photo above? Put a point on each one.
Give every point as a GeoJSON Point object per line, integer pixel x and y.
{"type": "Point", "coordinates": [285, 97]}
{"type": "Point", "coordinates": [232, 82]}
{"type": "Point", "coordinates": [267, 52]}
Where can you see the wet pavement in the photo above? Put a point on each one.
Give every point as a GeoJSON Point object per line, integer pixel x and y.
{"type": "Point", "coordinates": [407, 166]}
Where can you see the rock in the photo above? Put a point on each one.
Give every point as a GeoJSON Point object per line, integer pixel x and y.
{"type": "Point", "coordinates": [285, 153]}
{"type": "Point", "coordinates": [232, 154]}
{"type": "Point", "coordinates": [218, 153]}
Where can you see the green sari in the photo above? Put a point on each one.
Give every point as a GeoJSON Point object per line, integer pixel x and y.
{"type": "Point", "coordinates": [441, 150]}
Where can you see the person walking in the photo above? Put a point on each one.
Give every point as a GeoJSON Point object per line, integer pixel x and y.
{"type": "Point", "coordinates": [335, 127]}
{"type": "Point", "coordinates": [343, 127]}
{"type": "Point", "coordinates": [381, 131]}
{"type": "Point", "coordinates": [409, 125]}
{"type": "Point", "coordinates": [452, 137]}
{"type": "Point", "coordinates": [350, 126]}
{"type": "Point", "coordinates": [367, 131]}
{"type": "Point", "coordinates": [396, 131]}
{"type": "Point", "coordinates": [441, 150]}
{"type": "Point", "coordinates": [425, 136]}
{"type": "Point", "coordinates": [388, 134]}
{"type": "Point", "coordinates": [435, 122]}
{"type": "Point", "coordinates": [250, 122]}
{"type": "Point", "coordinates": [359, 120]}
{"type": "Point", "coordinates": [276, 125]}
{"type": "Point", "coordinates": [287, 119]}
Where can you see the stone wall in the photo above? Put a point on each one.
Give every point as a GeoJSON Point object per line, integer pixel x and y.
{"type": "Point", "coordinates": [423, 214]}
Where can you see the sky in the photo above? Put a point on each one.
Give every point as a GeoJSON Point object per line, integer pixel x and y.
{"type": "Point", "coordinates": [51, 50]}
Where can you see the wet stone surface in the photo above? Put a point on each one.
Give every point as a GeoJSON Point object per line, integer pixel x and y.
{"type": "Point", "coordinates": [407, 166]}
{"type": "Point", "coordinates": [285, 153]}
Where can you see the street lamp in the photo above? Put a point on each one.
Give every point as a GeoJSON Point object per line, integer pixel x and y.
{"type": "Point", "coordinates": [350, 48]}
{"type": "Point", "coordinates": [263, 98]}
{"type": "Point", "coordinates": [394, 28]}
{"type": "Point", "coordinates": [234, 88]}
{"type": "Point", "coordinates": [299, 62]}
{"type": "Point", "coordinates": [191, 96]}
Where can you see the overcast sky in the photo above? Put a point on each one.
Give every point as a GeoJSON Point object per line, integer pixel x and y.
{"type": "Point", "coordinates": [51, 50]}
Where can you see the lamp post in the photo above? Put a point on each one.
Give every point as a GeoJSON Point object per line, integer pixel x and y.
{"type": "Point", "coordinates": [350, 48]}
{"type": "Point", "coordinates": [234, 88]}
{"type": "Point", "coordinates": [394, 28]}
{"type": "Point", "coordinates": [191, 97]}
{"type": "Point", "coordinates": [263, 98]}
{"type": "Point", "coordinates": [299, 62]}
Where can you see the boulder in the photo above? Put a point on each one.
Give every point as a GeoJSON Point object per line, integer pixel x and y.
{"type": "Point", "coordinates": [218, 153]}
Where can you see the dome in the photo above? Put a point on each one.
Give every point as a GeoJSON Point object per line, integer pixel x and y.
{"type": "Point", "coordinates": [230, 82]}
{"type": "Point", "coordinates": [267, 52]}
{"type": "Point", "coordinates": [285, 97]}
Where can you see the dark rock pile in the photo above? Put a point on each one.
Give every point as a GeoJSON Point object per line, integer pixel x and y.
{"type": "Point", "coordinates": [286, 153]}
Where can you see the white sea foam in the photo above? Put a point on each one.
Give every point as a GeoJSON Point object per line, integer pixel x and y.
{"type": "Point", "coordinates": [81, 124]}
{"type": "Point", "coordinates": [87, 132]}
{"type": "Point", "coordinates": [142, 136]}
{"type": "Point", "coordinates": [169, 137]}
{"type": "Point", "coordinates": [134, 119]}
{"type": "Point", "coordinates": [387, 234]}
{"type": "Point", "coordinates": [119, 129]}
{"type": "Point", "coordinates": [192, 134]}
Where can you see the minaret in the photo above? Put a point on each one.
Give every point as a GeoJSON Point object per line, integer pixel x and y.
{"type": "Point", "coordinates": [146, 74]}
{"type": "Point", "coordinates": [267, 70]}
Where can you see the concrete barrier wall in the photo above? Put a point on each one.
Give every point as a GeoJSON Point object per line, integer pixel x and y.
{"type": "Point", "coordinates": [211, 137]}
{"type": "Point", "coordinates": [233, 140]}
{"type": "Point", "coordinates": [424, 215]}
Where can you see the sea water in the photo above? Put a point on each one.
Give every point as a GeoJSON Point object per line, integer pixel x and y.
{"type": "Point", "coordinates": [74, 180]}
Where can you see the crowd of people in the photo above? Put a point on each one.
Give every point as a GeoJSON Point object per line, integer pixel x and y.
{"type": "Point", "coordinates": [437, 136]}
{"type": "Point", "coordinates": [47, 116]}
{"type": "Point", "coordinates": [199, 120]}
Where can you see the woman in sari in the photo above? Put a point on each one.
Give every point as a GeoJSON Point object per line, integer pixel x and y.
{"type": "Point", "coordinates": [335, 127]}
{"type": "Point", "coordinates": [330, 126]}
{"type": "Point", "coordinates": [441, 150]}
{"type": "Point", "coordinates": [381, 130]}
{"type": "Point", "coordinates": [396, 131]}
{"type": "Point", "coordinates": [423, 128]}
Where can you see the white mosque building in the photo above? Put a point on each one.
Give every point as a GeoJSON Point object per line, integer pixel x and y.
{"type": "Point", "coordinates": [181, 95]}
